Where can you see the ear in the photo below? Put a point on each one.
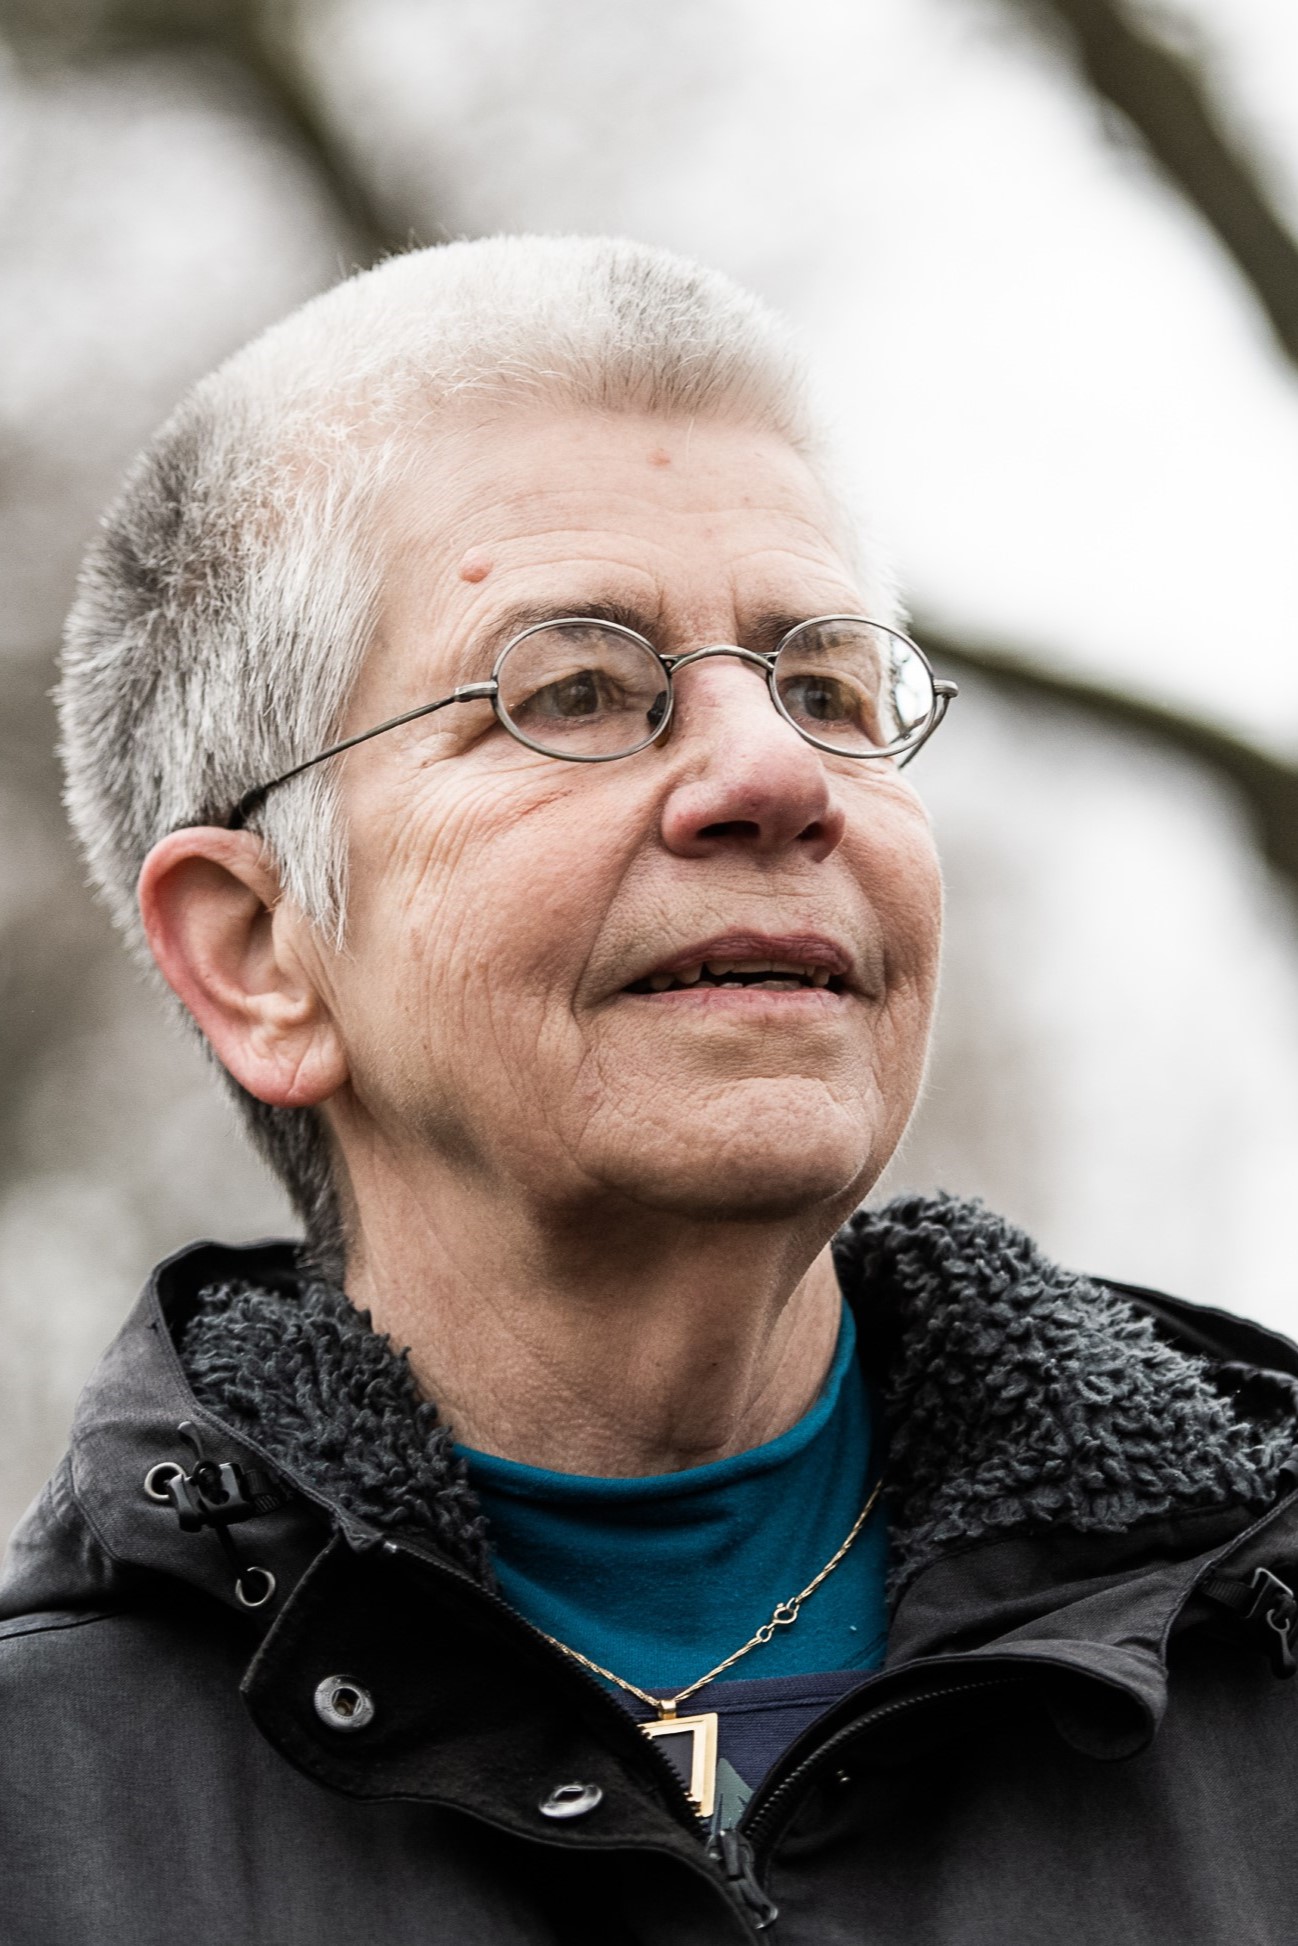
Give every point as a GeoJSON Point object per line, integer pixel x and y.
{"type": "Point", "coordinates": [238, 955]}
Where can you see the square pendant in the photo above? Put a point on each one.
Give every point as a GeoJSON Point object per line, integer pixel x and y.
{"type": "Point", "coordinates": [689, 1744]}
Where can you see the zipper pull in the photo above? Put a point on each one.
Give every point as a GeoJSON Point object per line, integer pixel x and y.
{"type": "Point", "coordinates": [1270, 1604]}
{"type": "Point", "coordinates": [733, 1853]}
{"type": "Point", "coordinates": [1279, 1611]}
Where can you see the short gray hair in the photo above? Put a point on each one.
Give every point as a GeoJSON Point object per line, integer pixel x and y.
{"type": "Point", "coordinates": [224, 611]}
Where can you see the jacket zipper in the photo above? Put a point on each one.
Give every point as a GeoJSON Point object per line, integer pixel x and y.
{"type": "Point", "coordinates": [760, 1815]}
{"type": "Point", "coordinates": [732, 1853]}
{"type": "Point", "coordinates": [728, 1852]}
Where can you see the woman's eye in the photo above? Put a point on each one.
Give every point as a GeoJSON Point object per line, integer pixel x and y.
{"type": "Point", "coordinates": [578, 696]}
{"type": "Point", "coordinates": [585, 693]}
{"type": "Point", "coordinates": [835, 706]}
{"type": "Point", "coordinates": [821, 699]}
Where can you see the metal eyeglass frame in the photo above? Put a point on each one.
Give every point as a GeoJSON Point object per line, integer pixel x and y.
{"type": "Point", "coordinates": [903, 749]}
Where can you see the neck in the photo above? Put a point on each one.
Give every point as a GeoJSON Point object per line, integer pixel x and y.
{"type": "Point", "coordinates": [619, 1342]}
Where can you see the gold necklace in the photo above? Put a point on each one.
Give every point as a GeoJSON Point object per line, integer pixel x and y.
{"type": "Point", "coordinates": [702, 1729]}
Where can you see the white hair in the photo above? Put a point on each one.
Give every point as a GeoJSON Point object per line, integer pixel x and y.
{"type": "Point", "coordinates": [223, 613]}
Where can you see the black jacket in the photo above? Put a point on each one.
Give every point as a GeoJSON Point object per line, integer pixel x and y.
{"type": "Point", "coordinates": [1082, 1733]}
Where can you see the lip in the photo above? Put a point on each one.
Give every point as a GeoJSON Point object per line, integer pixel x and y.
{"type": "Point", "coordinates": [814, 950]}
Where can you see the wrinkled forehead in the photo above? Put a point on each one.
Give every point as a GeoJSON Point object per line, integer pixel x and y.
{"type": "Point", "coordinates": [668, 526]}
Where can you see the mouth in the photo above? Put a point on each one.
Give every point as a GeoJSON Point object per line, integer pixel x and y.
{"type": "Point", "coordinates": [784, 965]}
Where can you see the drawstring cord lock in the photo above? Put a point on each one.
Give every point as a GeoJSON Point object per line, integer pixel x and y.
{"type": "Point", "coordinates": [218, 1494]}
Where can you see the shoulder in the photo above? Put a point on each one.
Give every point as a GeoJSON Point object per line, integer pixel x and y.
{"type": "Point", "coordinates": [90, 1652]}
{"type": "Point", "coordinates": [100, 1675]}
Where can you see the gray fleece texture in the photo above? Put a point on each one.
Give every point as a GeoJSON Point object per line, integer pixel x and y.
{"type": "Point", "coordinates": [1016, 1396]}
{"type": "Point", "coordinates": [1019, 1396]}
{"type": "Point", "coordinates": [321, 1391]}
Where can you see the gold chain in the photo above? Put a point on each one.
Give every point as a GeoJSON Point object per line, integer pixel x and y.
{"type": "Point", "coordinates": [786, 1613]}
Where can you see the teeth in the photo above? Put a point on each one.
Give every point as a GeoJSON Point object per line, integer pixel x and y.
{"type": "Point", "coordinates": [780, 975]}
{"type": "Point", "coordinates": [722, 969]}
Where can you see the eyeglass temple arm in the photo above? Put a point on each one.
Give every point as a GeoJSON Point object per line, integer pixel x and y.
{"type": "Point", "coordinates": [943, 689]}
{"type": "Point", "coordinates": [944, 692]}
{"type": "Point", "coordinates": [252, 800]}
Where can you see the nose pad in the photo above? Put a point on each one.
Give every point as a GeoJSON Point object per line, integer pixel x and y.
{"type": "Point", "coordinates": [712, 652]}
{"type": "Point", "coordinates": [724, 707]}
{"type": "Point", "coordinates": [760, 786]}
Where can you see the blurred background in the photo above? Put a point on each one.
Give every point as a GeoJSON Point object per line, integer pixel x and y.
{"type": "Point", "coordinates": [1042, 256]}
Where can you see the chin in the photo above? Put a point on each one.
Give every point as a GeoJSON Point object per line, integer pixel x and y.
{"type": "Point", "coordinates": [754, 1195]}
{"type": "Point", "coordinates": [761, 1167]}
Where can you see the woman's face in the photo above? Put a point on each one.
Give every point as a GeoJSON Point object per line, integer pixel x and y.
{"type": "Point", "coordinates": [507, 910]}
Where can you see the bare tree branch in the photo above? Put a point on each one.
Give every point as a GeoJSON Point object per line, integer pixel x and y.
{"type": "Point", "coordinates": [1168, 101]}
{"type": "Point", "coordinates": [261, 42]}
{"type": "Point", "coordinates": [1267, 784]}
{"type": "Point", "coordinates": [261, 38]}
{"type": "Point", "coordinates": [1163, 96]}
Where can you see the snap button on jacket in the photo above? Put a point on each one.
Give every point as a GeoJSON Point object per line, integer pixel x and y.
{"type": "Point", "coordinates": [1084, 1730]}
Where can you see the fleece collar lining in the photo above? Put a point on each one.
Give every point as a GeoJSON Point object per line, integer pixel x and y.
{"type": "Point", "coordinates": [1016, 1396]}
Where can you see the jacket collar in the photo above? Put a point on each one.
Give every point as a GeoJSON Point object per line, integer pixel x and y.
{"type": "Point", "coordinates": [1067, 1459]}
{"type": "Point", "coordinates": [1018, 1398]}
{"type": "Point", "coordinates": [97, 1532]}
{"type": "Point", "coordinates": [1021, 1398]}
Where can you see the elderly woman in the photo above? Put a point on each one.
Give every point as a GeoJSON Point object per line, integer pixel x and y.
{"type": "Point", "coordinates": [576, 1539]}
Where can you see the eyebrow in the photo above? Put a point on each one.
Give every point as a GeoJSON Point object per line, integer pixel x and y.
{"type": "Point", "coordinates": [515, 621]}
{"type": "Point", "coordinates": [762, 633]}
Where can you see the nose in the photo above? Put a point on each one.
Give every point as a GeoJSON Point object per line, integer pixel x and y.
{"type": "Point", "coordinates": [745, 780]}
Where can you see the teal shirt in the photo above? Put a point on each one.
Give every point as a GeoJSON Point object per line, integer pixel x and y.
{"type": "Point", "coordinates": [659, 1578]}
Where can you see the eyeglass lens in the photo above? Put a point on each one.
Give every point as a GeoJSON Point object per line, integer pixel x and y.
{"type": "Point", "coordinates": [582, 689]}
{"type": "Point", "coordinates": [853, 685]}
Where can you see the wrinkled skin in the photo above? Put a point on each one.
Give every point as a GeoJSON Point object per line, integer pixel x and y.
{"type": "Point", "coordinates": [512, 1122]}
{"type": "Point", "coordinates": [509, 899]}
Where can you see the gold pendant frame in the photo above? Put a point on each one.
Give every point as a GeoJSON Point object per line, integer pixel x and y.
{"type": "Point", "coordinates": [702, 1786]}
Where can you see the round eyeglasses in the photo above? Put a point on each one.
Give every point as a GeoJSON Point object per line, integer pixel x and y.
{"type": "Point", "coordinates": [590, 692]}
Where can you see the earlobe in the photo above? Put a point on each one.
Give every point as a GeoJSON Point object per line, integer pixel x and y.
{"type": "Point", "coordinates": [231, 950]}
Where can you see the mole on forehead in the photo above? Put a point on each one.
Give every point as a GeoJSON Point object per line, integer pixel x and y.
{"type": "Point", "coordinates": [476, 565]}
{"type": "Point", "coordinates": [659, 456]}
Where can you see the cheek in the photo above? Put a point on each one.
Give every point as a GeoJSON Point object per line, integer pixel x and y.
{"type": "Point", "coordinates": [475, 914]}
{"type": "Point", "coordinates": [897, 864]}
{"type": "Point", "coordinates": [916, 916]}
